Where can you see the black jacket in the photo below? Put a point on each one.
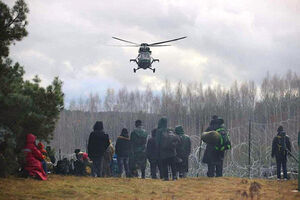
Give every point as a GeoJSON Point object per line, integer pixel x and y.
{"type": "Point", "coordinates": [123, 146]}
{"type": "Point", "coordinates": [281, 145]}
{"type": "Point", "coordinates": [98, 142]}
{"type": "Point", "coordinates": [152, 150]}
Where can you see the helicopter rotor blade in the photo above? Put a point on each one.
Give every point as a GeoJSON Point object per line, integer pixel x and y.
{"type": "Point", "coordinates": [167, 41]}
{"type": "Point", "coordinates": [164, 45]}
{"type": "Point", "coordinates": [125, 41]}
{"type": "Point", "coordinates": [123, 45]}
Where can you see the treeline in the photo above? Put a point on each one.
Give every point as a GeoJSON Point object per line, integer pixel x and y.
{"type": "Point", "coordinates": [275, 100]}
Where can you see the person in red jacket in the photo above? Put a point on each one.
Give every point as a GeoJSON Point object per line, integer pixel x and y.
{"type": "Point", "coordinates": [33, 158]}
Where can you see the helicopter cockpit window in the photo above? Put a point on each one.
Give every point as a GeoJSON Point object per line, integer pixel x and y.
{"type": "Point", "coordinates": [145, 56]}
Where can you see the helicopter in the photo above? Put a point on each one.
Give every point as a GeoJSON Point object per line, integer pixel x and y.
{"type": "Point", "coordinates": [144, 59]}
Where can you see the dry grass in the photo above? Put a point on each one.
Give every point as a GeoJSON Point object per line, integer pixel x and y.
{"type": "Point", "coordinates": [70, 187]}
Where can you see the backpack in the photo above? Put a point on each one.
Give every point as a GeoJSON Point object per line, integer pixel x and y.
{"type": "Point", "coordinates": [224, 143]}
{"type": "Point", "coordinates": [169, 140]}
{"type": "Point", "coordinates": [63, 166]}
{"type": "Point", "coordinates": [281, 144]}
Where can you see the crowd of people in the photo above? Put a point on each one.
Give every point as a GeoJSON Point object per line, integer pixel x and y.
{"type": "Point", "coordinates": [165, 148]}
{"type": "Point", "coordinates": [167, 151]}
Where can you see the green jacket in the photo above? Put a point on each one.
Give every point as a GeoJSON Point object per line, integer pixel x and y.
{"type": "Point", "coordinates": [138, 140]}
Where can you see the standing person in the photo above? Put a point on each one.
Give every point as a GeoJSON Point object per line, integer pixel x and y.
{"type": "Point", "coordinates": [183, 151]}
{"type": "Point", "coordinates": [214, 154]}
{"type": "Point", "coordinates": [33, 158]}
{"type": "Point", "coordinates": [166, 143]}
{"type": "Point", "coordinates": [97, 145]}
{"type": "Point", "coordinates": [138, 140]}
{"type": "Point", "coordinates": [281, 147]}
{"type": "Point", "coordinates": [153, 155]}
{"type": "Point", "coordinates": [122, 152]}
{"type": "Point", "coordinates": [209, 156]}
{"type": "Point", "coordinates": [222, 145]}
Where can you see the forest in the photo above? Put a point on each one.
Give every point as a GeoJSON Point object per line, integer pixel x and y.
{"type": "Point", "coordinates": [251, 112]}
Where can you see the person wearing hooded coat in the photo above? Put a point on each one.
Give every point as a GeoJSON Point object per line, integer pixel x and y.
{"type": "Point", "coordinates": [212, 157]}
{"type": "Point", "coordinates": [97, 145]}
{"type": "Point", "coordinates": [41, 148]}
{"type": "Point", "coordinates": [122, 151]}
{"type": "Point", "coordinates": [281, 147]}
{"type": "Point", "coordinates": [153, 155]}
{"type": "Point", "coordinates": [138, 140]}
{"type": "Point", "coordinates": [33, 158]}
{"type": "Point", "coordinates": [166, 143]}
{"type": "Point", "coordinates": [183, 151]}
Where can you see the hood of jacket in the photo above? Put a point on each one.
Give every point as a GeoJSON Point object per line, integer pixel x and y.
{"type": "Point", "coordinates": [281, 133]}
{"type": "Point", "coordinates": [163, 123]}
{"type": "Point", "coordinates": [124, 133]}
{"type": "Point", "coordinates": [40, 145]}
{"type": "Point", "coordinates": [98, 126]}
{"type": "Point", "coordinates": [179, 130]}
{"type": "Point", "coordinates": [30, 138]}
{"type": "Point", "coordinates": [139, 131]}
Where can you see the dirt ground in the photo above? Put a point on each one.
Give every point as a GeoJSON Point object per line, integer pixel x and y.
{"type": "Point", "coordinates": [71, 187]}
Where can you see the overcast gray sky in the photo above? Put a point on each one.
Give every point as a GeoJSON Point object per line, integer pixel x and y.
{"type": "Point", "coordinates": [227, 41]}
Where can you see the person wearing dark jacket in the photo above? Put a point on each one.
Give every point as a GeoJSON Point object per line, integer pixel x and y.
{"type": "Point", "coordinates": [183, 151]}
{"type": "Point", "coordinates": [212, 156]}
{"type": "Point", "coordinates": [152, 155]}
{"type": "Point", "coordinates": [97, 145]}
{"type": "Point", "coordinates": [138, 139]}
{"type": "Point", "coordinates": [166, 143]}
{"type": "Point", "coordinates": [122, 152]}
{"type": "Point", "coordinates": [281, 147]}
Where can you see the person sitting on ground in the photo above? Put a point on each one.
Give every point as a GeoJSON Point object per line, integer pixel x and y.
{"type": "Point", "coordinates": [50, 159]}
{"type": "Point", "coordinates": [281, 147]}
{"type": "Point", "coordinates": [122, 152]}
{"type": "Point", "coordinates": [81, 162]}
{"type": "Point", "coordinates": [44, 154]}
{"type": "Point", "coordinates": [33, 158]}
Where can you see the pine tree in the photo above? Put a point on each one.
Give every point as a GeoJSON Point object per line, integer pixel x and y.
{"type": "Point", "coordinates": [25, 106]}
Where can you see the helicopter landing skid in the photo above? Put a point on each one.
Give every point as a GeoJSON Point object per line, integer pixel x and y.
{"type": "Point", "coordinates": [135, 69]}
{"type": "Point", "coordinates": [153, 70]}
{"type": "Point", "coordinates": [133, 60]}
